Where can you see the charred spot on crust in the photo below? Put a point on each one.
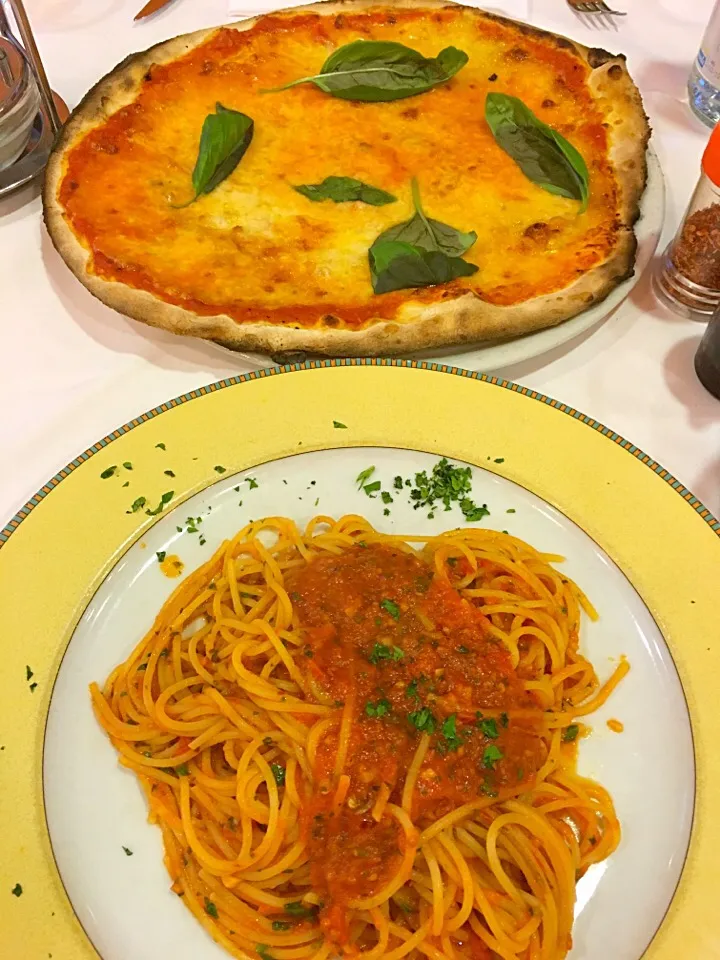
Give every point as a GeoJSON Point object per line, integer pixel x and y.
{"type": "Point", "coordinates": [339, 21]}
{"type": "Point", "coordinates": [207, 67]}
{"type": "Point", "coordinates": [548, 104]}
{"type": "Point", "coordinates": [517, 54]}
{"type": "Point", "coordinates": [289, 356]}
{"type": "Point", "coordinates": [492, 78]}
{"type": "Point", "coordinates": [411, 113]}
{"type": "Point", "coordinates": [596, 57]}
{"type": "Point", "coordinates": [615, 71]}
{"type": "Point", "coordinates": [329, 320]}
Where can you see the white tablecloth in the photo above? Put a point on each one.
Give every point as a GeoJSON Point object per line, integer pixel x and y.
{"type": "Point", "coordinates": [73, 370]}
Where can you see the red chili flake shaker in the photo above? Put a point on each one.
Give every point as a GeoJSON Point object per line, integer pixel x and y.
{"type": "Point", "coordinates": [688, 277]}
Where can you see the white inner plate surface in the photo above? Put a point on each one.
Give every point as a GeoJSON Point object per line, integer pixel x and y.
{"type": "Point", "coordinates": [493, 356]}
{"type": "Point", "coordinates": [95, 808]}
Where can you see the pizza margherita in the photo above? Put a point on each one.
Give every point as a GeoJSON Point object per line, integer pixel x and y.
{"type": "Point", "coordinates": [351, 178]}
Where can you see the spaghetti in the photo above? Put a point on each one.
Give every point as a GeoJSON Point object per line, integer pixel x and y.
{"type": "Point", "coordinates": [365, 744]}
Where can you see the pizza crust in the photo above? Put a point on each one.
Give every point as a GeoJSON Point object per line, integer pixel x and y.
{"type": "Point", "coordinates": [463, 320]}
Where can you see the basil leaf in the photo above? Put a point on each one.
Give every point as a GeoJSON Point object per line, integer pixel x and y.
{"type": "Point", "coordinates": [344, 190]}
{"type": "Point", "coordinates": [543, 155]}
{"type": "Point", "coordinates": [428, 234]}
{"type": "Point", "coordinates": [226, 135]}
{"type": "Point", "coordinates": [400, 266]}
{"type": "Point", "coordinates": [376, 71]}
{"type": "Point", "coordinates": [420, 252]}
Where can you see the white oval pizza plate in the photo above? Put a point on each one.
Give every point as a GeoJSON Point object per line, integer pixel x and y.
{"type": "Point", "coordinates": [95, 808]}
{"type": "Point", "coordinates": [494, 356]}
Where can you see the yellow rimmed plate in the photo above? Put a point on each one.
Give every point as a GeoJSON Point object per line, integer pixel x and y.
{"type": "Point", "coordinates": [58, 551]}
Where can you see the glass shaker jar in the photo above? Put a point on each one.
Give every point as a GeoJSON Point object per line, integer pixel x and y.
{"type": "Point", "coordinates": [688, 277]}
{"type": "Point", "coordinates": [19, 102]}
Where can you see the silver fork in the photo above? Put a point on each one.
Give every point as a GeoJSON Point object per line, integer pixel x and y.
{"type": "Point", "coordinates": [595, 7]}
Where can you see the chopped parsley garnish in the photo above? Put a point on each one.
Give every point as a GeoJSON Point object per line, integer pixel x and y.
{"type": "Point", "coordinates": [127, 465]}
{"type": "Point", "coordinates": [128, 851]}
{"type": "Point", "coordinates": [262, 950]}
{"type": "Point", "coordinates": [192, 524]}
{"type": "Point", "coordinates": [165, 498]}
{"type": "Point", "coordinates": [381, 651]}
{"type": "Point", "coordinates": [371, 488]}
{"type": "Point", "coordinates": [491, 755]}
{"type": "Point", "coordinates": [386, 497]}
{"type": "Point", "coordinates": [161, 554]}
{"type": "Point", "coordinates": [33, 687]}
{"type": "Point", "coordinates": [279, 925]}
{"type": "Point", "coordinates": [363, 476]}
{"type": "Point", "coordinates": [339, 426]}
{"type": "Point", "coordinates": [449, 732]}
{"type": "Point", "coordinates": [159, 446]}
{"type": "Point", "coordinates": [423, 720]}
{"type": "Point", "coordinates": [571, 733]}
{"type": "Point", "coordinates": [511, 510]}
{"type": "Point", "coordinates": [499, 460]}
{"type": "Point", "coordinates": [297, 909]}
{"type": "Point", "coordinates": [378, 709]}
{"type": "Point", "coordinates": [487, 788]}
{"type": "Point", "coordinates": [412, 690]}
{"type": "Point", "coordinates": [386, 512]}
{"type": "Point", "coordinates": [28, 673]}
{"type": "Point", "coordinates": [391, 607]}
{"type": "Point", "coordinates": [472, 512]}
{"type": "Point", "coordinates": [109, 472]}
{"type": "Point", "coordinates": [446, 484]}
{"type": "Point", "coordinates": [211, 909]}
{"type": "Point", "coordinates": [182, 770]}
{"type": "Point", "coordinates": [278, 772]}
{"type": "Point", "coordinates": [489, 728]}
{"type": "Point", "coordinates": [219, 469]}
{"type": "Point", "coordinates": [462, 649]}
{"type": "Point", "coordinates": [168, 473]}
{"type": "Point", "coordinates": [17, 890]}
{"type": "Point", "coordinates": [252, 483]}
{"type": "Point", "coordinates": [137, 505]}
{"type": "Point", "coordinates": [504, 720]}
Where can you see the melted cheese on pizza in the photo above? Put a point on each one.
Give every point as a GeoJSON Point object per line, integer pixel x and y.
{"type": "Point", "coordinates": [258, 250]}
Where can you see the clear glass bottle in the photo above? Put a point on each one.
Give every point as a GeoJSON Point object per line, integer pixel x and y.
{"type": "Point", "coordinates": [19, 101]}
{"type": "Point", "coordinates": [688, 276]}
{"type": "Point", "coordinates": [704, 82]}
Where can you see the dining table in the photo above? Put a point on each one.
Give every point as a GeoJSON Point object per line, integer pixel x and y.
{"type": "Point", "coordinates": [74, 370]}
